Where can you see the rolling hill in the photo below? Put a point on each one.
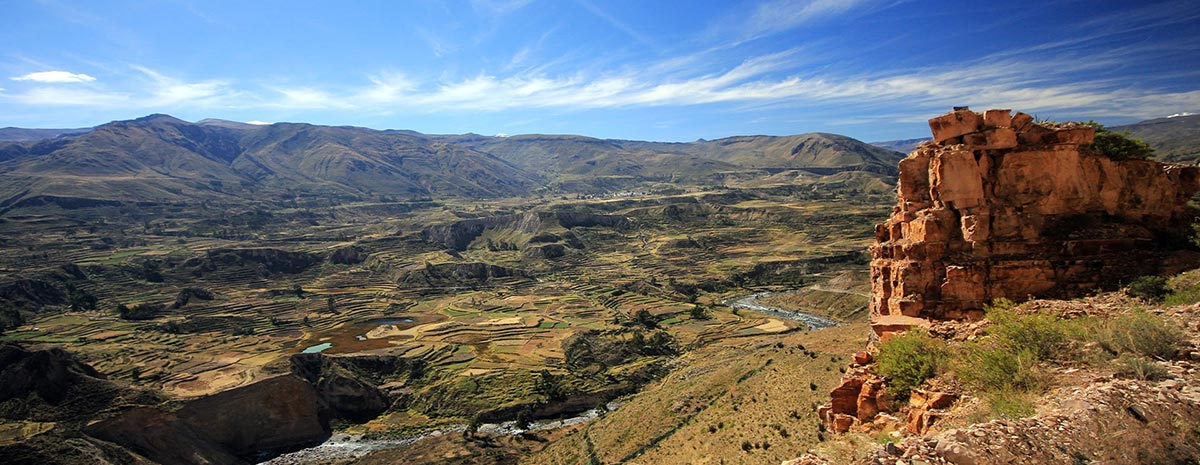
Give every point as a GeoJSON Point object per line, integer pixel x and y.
{"type": "Point", "coordinates": [11, 134]}
{"type": "Point", "coordinates": [900, 145]}
{"type": "Point", "coordinates": [821, 151]}
{"type": "Point", "coordinates": [159, 158]}
{"type": "Point", "coordinates": [1175, 139]}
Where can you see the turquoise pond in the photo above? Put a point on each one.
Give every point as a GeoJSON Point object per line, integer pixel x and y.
{"type": "Point", "coordinates": [318, 348]}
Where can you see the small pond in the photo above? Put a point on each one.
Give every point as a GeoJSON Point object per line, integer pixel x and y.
{"type": "Point", "coordinates": [387, 321]}
{"type": "Point", "coordinates": [317, 348]}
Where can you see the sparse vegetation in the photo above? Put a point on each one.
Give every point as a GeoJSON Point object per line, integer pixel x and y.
{"type": "Point", "coordinates": [1043, 335]}
{"type": "Point", "coordinates": [139, 311]}
{"type": "Point", "coordinates": [994, 367]}
{"type": "Point", "coordinates": [1148, 288]}
{"type": "Point", "coordinates": [1139, 333]}
{"type": "Point", "coordinates": [911, 358]}
{"type": "Point", "coordinates": [1120, 145]}
{"type": "Point", "coordinates": [1137, 367]}
{"type": "Point", "coordinates": [1005, 366]}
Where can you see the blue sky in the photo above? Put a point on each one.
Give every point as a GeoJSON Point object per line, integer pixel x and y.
{"type": "Point", "coordinates": [641, 69]}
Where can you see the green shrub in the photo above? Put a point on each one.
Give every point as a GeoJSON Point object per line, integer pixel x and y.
{"type": "Point", "coordinates": [1148, 288]}
{"type": "Point", "coordinates": [999, 304]}
{"type": "Point", "coordinates": [1120, 145]}
{"type": "Point", "coordinates": [1140, 333]}
{"type": "Point", "coordinates": [1132, 366]}
{"type": "Point", "coordinates": [909, 359]}
{"type": "Point", "coordinates": [1045, 336]}
{"type": "Point", "coordinates": [995, 367]}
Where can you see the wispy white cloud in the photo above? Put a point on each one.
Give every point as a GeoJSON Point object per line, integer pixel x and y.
{"type": "Point", "coordinates": [776, 80]}
{"type": "Point", "coordinates": [499, 7]}
{"type": "Point", "coordinates": [781, 15]}
{"type": "Point", "coordinates": [438, 45]}
{"type": "Point", "coordinates": [617, 23]}
{"type": "Point", "coordinates": [54, 77]}
{"type": "Point", "coordinates": [752, 84]}
{"type": "Point", "coordinates": [305, 98]}
{"type": "Point", "coordinates": [168, 91]}
{"type": "Point", "coordinates": [146, 89]}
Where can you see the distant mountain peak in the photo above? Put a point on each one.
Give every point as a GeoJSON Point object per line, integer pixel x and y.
{"type": "Point", "coordinates": [224, 123]}
{"type": "Point", "coordinates": [155, 117]}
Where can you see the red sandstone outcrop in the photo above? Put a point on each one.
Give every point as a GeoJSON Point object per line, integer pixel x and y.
{"type": "Point", "coordinates": [857, 400]}
{"type": "Point", "coordinates": [1000, 206]}
{"type": "Point", "coordinates": [923, 409]}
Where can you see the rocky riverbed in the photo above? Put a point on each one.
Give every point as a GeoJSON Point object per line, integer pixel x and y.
{"type": "Point", "coordinates": [751, 302]}
{"type": "Point", "coordinates": [344, 446]}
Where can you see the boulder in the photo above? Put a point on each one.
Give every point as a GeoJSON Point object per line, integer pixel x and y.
{"type": "Point", "coordinates": [922, 409]}
{"type": "Point", "coordinates": [955, 124]}
{"type": "Point", "coordinates": [998, 118]}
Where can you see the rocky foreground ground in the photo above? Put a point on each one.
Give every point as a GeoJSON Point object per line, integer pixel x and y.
{"type": "Point", "coordinates": [1089, 416]}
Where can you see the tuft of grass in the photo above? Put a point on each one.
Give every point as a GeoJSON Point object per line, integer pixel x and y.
{"type": "Point", "coordinates": [1132, 366]}
{"type": "Point", "coordinates": [911, 358]}
{"type": "Point", "coordinates": [1139, 333]}
{"type": "Point", "coordinates": [993, 367]}
{"type": "Point", "coordinates": [1185, 288]}
{"type": "Point", "coordinates": [1044, 335]}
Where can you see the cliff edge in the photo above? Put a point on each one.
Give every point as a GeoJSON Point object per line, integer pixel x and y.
{"type": "Point", "coordinates": [997, 205]}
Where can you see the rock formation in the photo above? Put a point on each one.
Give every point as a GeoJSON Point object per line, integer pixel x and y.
{"type": "Point", "coordinates": [243, 424]}
{"type": "Point", "coordinates": [225, 428]}
{"type": "Point", "coordinates": [266, 260]}
{"type": "Point", "coordinates": [997, 205]}
{"type": "Point", "coordinates": [1001, 206]}
{"type": "Point", "coordinates": [459, 234]}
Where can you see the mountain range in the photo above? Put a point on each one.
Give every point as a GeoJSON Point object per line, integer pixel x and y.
{"type": "Point", "coordinates": [1175, 139]}
{"type": "Point", "coordinates": [159, 158]}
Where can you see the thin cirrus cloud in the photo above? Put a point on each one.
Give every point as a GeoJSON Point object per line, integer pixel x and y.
{"type": "Point", "coordinates": [770, 80]}
{"type": "Point", "coordinates": [148, 89]}
{"type": "Point", "coordinates": [760, 82]}
{"type": "Point", "coordinates": [55, 77]}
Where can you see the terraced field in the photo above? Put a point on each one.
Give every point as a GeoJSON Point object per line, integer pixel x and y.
{"type": "Point", "coordinates": [485, 320]}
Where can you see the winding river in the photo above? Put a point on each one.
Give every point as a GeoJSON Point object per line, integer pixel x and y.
{"type": "Point", "coordinates": [347, 446]}
{"type": "Point", "coordinates": [344, 446]}
{"type": "Point", "coordinates": [751, 302]}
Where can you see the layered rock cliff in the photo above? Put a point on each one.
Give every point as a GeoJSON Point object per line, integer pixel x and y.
{"type": "Point", "coordinates": [1000, 206]}
{"type": "Point", "coordinates": [244, 424]}
{"type": "Point", "coordinates": [997, 205]}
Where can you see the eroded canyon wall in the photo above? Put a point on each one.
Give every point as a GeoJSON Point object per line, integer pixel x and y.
{"type": "Point", "coordinates": [1000, 206]}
